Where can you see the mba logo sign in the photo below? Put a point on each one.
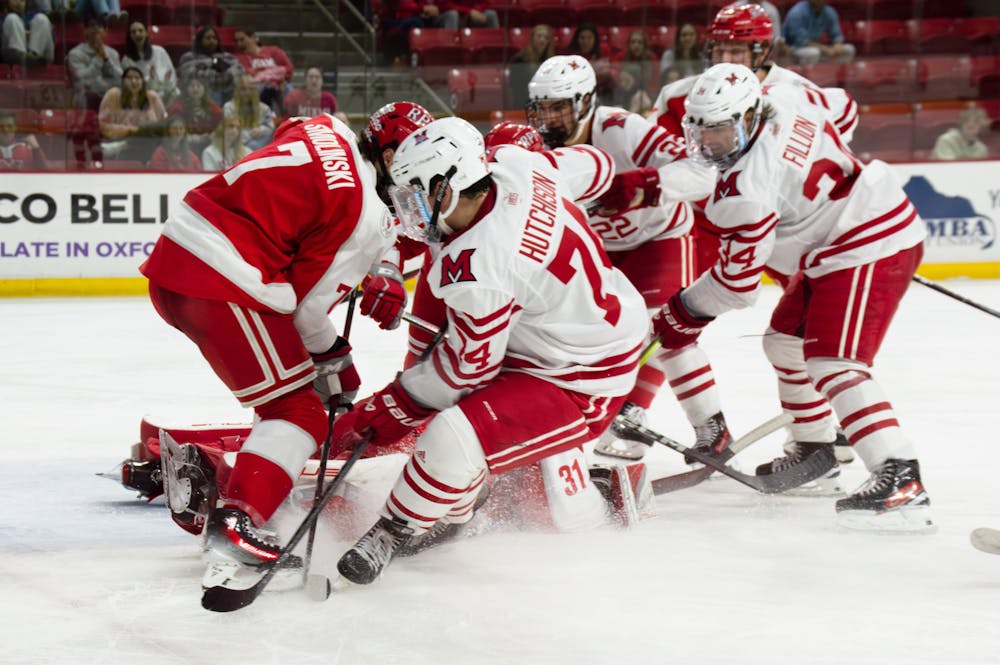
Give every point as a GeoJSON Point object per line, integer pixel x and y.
{"type": "Point", "coordinates": [952, 221]}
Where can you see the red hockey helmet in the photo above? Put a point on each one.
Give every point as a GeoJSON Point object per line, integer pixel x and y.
{"type": "Point", "coordinates": [749, 24]}
{"type": "Point", "coordinates": [388, 126]}
{"type": "Point", "coordinates": [386, 129]}
{"type": "Point", "coordinates": [515, 133]}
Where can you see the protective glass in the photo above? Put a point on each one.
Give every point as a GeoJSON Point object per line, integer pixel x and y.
{"type": "Point", "coordinates": [555, 119]}
{"type": "Point", "coordinates": [719, 144]}
{"type": "Point", "coordinates": [414, 211]}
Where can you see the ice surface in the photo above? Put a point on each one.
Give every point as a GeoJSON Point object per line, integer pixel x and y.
{"type": "Point", "coordinates": [91, 575]}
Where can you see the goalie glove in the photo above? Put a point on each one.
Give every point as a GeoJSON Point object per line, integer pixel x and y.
{"type": "Point", "coordinates": [676, 326]}
{"type": "Point", "coordinates": [336, 374]}
{"type": "Point", "coordinates": [384, 295]}
{"type": "Point", "coordinates": [388, 415]}
{"type": "Point", "coordinates": [639, 188]}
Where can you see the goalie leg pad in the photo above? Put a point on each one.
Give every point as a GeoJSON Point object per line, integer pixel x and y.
{"type": "Point", "coordinates": [627, 490]}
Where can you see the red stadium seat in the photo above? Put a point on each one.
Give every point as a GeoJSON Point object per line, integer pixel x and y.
{"type": "Point", "coordinates": [891, 37]}
{"type": "Point", "coordinates": [562, 36]}
{"type": "Point", "coordinates": [195, 12]}
{"type": "Point", "coordinates": [899, 10]}
{"type": "Point", "coordinates": [885, 132]}
{"type": "Point", "coordinates": [435, 46]}
{"type": "Point", "coordinates": [847, 10]}
{"type": "Point", "coordinates": [946, 77]}
{"type": "Point", "coordinates": [519, 38]}
{"type": "Point", "coordinates": [942, 35]}
{"type": "Point", "coordinates": [697, 12]}
{"type": "Point", "coordinates": [647, 12]}
{"type": "Point", "coordinates": [27, 120]}
{"type": "Point", "coordinates": [512, 13]}
{"type": "Point", "coordinates": [986, 75]}
{"type": "Point", "coordinates": [176, 39]}
{"type": "Point", "coordinates": [551, 12]}
{"type": "Point", "coordinates": [148, 11]}
{"type": "Point", "coordinates": [661, 38]}
{"type": "Point", "coordinates": [476, 88]}
{"type": "Point", "coordinates": [599, 12]}
{"type": "Point", "coordinates": [882, 80]}
{"type": "Point", "coordinates": [826, 74]}
{"type": "Point", "coordinates": [982, 31]}
{"type": "Point", "coordinates": [485, 45]}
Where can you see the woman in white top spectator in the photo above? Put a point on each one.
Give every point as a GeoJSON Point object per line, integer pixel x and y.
{"type": "Point", "coordinates": [685, 57]}
{"type": "Point", "coordinates": [226, 147]}
{"type": "Point", "coordinates": [153, 61]}
{"type": "Point", "coordinates": [131, 118]}
{"type": "Point", "coordinates": [256, 118]}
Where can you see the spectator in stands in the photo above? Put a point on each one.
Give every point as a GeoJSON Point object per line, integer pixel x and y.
{"type": "Point", "coordinates": [398, 17]}
{"type": "Point", "coordinates": [23, 41]}
{"type": "Point", "coordinates": [18, 155]}
{"type": "Point", "coordinates": [109, 11]}
{"type": "Point", "coordinates": [962, 141]}
{"type": "Point", "coordinates": [54, 7]}
{"type": "Point", "coordinates": [94, 69]}
{"type": "Point", "coordinates": [270, 66]}
{"type": "Point", "coordinates": [174, 153]}
{"type": "Point", "coordinates": [812, 33]}
{"type": "Point", "coordinates": [587, 43]}
{"type": "Point", "coordinates": [200, 112]}
{"type": "Point", "coordinates": [256, 118]}
{"type": "Point", "coordinates": [470, 14]}
{"type": "Point", "coordinates": [131, 118]}
{"type": "Point", "coordinates": [311, 99]}
{"type": "Point", "coordinates": [524, 63]}
{"type": "Point", "coordinates": [685, 57]}
{"type": "Point", "coordinates": [153, 61]}
{"type": "Point", "coordinates": [207, 60]}
{"type": "Point", "coordinates": [637, 74]}
{"type": "Point", "coordinates": [226, 147]}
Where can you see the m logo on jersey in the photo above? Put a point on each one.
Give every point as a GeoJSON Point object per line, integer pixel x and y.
{"type": "Point", "coordinates": [458, 269]}
{"type": "Point", "coordinates": [420, 137]}
{"type": "Point", "coordinates": [615, 120]}
{"type": "Point", "coordinates": [726, 187]}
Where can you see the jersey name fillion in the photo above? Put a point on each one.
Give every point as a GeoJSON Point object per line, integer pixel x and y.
{"type": "Point", "coordinates": [797, 148]}
{"type": "Point", "coordinates": [541, 218]}
{"type": "Point", "coordinates": [333, 155]}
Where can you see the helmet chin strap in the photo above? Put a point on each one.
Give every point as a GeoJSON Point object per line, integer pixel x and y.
{"type": "Point", "coordinates": [581, 123]}
{"type": "Point", "coordinates": [437, 223]}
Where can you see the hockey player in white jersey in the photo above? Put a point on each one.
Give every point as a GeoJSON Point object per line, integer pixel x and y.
{"type": "Point", "coordinates": [792, 199]}
{"type": "Point", "coordinates": [544, 344]}
{"type": "Point", "coordinates": [650, 244]}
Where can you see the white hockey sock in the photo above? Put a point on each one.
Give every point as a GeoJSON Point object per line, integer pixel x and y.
{"type": "Point", "coordinates": [812, 413]}
{"type": "Point", "coordinates": [692, 381]}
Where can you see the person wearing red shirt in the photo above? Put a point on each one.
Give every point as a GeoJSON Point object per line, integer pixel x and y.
{"type": "Point", "coordinates": [17, 155]}
{"type": "Point", "coordinates": [269, 66]}
{"type": "Point", "coordinates": [311, 99]}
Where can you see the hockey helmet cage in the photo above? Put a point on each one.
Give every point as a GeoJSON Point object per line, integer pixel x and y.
{"type": "Point", "coordinates": [715, 108]}
{"type": "Point", "coordinates": [449, 151]}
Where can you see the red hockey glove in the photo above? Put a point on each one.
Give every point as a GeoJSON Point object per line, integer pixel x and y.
{"type": "Point", "coordinates": [389, 415]}
{"type": "Point", "coordinates": [335, 373]}
{"type": "Point", "coordinates": [384, 295]}
{"type": "Point", "coordinates": [676, 326]}
{"type": "Point", "coordinates": [639, 188]}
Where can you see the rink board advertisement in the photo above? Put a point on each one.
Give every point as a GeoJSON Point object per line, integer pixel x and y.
{"type": "Point", "coordinates": [88, 233]}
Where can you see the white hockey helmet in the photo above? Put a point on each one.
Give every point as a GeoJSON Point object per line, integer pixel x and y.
{"type": "Point", "coordinates": [715, 109]}
{"type": "Point", "coordinates": [450, 151]}
{"type": "Point", "coordinates": [562, 77]}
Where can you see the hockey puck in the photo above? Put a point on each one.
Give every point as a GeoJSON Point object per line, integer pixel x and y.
{"type": "Point", "coordinates": [986, 540]}
{"type": "Point", "coordinates": [318, 587]}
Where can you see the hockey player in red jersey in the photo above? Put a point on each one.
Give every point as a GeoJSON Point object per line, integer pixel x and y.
{"type": "Point", "coordinates": [537, 316]}
{"type": "Point", "coordinates": [792, 199]}
{"type": "Point", "coordinates": [248, 267]}
{"type": "Point", "coordinates": [644, 221]}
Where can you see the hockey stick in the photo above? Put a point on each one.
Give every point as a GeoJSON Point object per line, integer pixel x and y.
{"type": "Point", "coordinates": [324, 455]}
{"type": "Point", "coordinates": [951, 294]}
{"type": "Point", "coordinates": [809, 469]}
{"type": "Point", "coordinates": [225, 599]}
{"type": "Point", "coordinates": [680, 481]}
{"type": "Point", "coordinates": [439, 332]}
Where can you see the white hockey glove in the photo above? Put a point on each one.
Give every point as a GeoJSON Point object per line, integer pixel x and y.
{"type": "Point", "coordinates": [335, 374]}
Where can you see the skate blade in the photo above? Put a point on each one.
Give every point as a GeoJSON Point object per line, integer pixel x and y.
{"type": "Point", "coordinates": [985, 540]}
{"type": "Point", "coordinates": [621, 449]}
{"type": "Point", "coordinates": [828, 485]}
{"type": "Point", "coordinates": [916, 519]}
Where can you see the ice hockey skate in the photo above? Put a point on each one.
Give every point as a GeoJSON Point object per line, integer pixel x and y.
{"type": "Point", "coordinates": [796, 453]}
{"type": "Point", "coordinates": [613, 444]}
{"type": "Point", "coordinates": [711, 437]}
{"type": "Point", "coordinates": [189, 483]}
{"type": "Point", "coordinates": [892, 499]}
{"type": "Point", "coordinates": [842, 449]}
{"type": "Point", "coordinates": [363, 563]}
{"type": "Point", "coordinates": [235, 549]}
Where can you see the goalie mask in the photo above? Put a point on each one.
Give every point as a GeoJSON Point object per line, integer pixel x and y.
{"type": "Point", "coordinates": [716, 126]}
{"type": "Point", "coordinates": [447, 153]}
{"type": "Point", "coordinates": [740, 33]}
{"type": "Point", "coordinates": [562, 96]}
{"type": "Point", "coordinates": [514, 133]}
{"type": "Point", "coordinates": [385, 130]}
